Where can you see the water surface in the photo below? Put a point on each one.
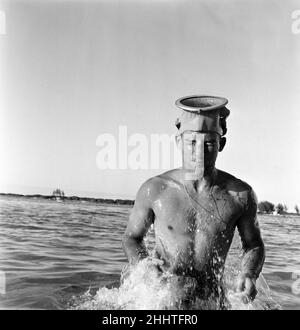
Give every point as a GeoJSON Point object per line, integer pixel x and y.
{"type": "Point", "coordinates": [53, 252]}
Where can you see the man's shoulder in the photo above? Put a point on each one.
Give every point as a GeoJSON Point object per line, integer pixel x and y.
{"type": "Point", "coordinates": [235, 186]}
{"type": "Point", "coordinates": [158, 183]}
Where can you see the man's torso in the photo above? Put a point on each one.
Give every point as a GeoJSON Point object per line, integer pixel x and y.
{"type": "Point", "coordinates": [193, 231]}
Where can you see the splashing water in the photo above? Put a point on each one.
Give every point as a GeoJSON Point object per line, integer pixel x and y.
{"type": "Point", "coordinates": [143, 287]}
{"type": "Point", "coordinates": [263, 300]}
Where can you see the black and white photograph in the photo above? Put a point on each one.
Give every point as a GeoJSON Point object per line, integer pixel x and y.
{"type": "Point", "coordinates": [149, 156]}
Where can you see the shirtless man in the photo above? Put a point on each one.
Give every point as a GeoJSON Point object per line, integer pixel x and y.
{"type": "Point", "coordinates": [196, 208]}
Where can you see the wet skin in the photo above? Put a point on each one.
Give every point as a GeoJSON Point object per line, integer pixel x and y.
{"type": "Point", "coordinates": [194, 220]}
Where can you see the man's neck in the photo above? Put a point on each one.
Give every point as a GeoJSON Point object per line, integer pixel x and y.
{"type": "Point", "coordinates": [207, 181]}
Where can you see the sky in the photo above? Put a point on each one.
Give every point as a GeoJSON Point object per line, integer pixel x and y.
{"type": "Point", "coordinates": [71, 71]}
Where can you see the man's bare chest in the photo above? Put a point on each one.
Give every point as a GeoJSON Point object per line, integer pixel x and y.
{"type": "Point", "coordinates": [188, 213]}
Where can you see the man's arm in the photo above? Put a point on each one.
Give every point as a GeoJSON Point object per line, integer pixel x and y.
{"type": "Point", "coordinates": [253, 246]}
{"type": "Point", "coordinates": [140, 220]}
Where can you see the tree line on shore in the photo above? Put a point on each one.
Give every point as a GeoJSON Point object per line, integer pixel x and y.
{"type": "Point", "coordinates": [60, 196]}
{"type": "Point", "coordinates": [270, 208]}
{"type": "Point", "coordinates": [265, 207]}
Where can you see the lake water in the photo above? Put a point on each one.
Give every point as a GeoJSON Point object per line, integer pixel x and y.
{"type": "Point", "coordinates": [61, 255]}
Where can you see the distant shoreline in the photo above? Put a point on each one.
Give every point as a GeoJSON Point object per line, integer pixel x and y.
{"type": "Point", "coordinates": [117, 201]}
{"type": "Point", "coordinates": [73, 198]}
{"type": "Point", "coordinates": [281, 214]}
